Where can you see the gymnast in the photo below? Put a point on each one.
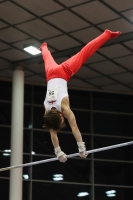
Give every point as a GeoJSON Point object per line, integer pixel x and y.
{"type": "Point", "coordinates": [56, 103]}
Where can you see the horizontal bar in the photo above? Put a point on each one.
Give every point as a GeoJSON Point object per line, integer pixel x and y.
{"type": "Point", "coordinates": [68, 156]}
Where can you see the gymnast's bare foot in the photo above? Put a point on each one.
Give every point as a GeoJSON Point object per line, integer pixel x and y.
{"type": "Point", "coordinates": [113, 34]}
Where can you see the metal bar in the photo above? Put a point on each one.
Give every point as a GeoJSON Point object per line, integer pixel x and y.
{"type": "Point", "coordinates": [68, 156]}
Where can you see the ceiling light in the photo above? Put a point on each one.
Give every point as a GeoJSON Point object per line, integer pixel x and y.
{"type": "Point", "coordinates": [7, 150]}
{"type": "Point", "coordinates": [32, 50]}
{"type": "Point", "coordinates": [33, 153]}
{"type": "Point", "coordinates": [26, 176]}
{"type": "Point", "coordinates": [58, 177]}
{"type": "Point", "coordinates": [82, 194]}
{"type": "Point", "coordinates": [6, 154]}
{"type": "Point", "coordinates": [111, 193]}
{"type": "Point", "coordinates": [30, 126]}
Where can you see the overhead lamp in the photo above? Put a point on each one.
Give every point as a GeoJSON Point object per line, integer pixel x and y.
{"type": "Point", "coordinates": [32, 50]}
{"type": "Point", "coordinates": [111, 193]}
{"type": "Point", "coordinates": [58, 177]}
{"type": "Point", "coordinates": [82, 194]}
{"type": "Point", "coordinates": [30, 126]}
{"type": "Point", "coordinates": [26, 176]}
{"type": "Point", "coordinates": [7, 152]}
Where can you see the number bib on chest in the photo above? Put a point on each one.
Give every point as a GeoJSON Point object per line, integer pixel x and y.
{"type": "Point", "coordinates": [52, 94]}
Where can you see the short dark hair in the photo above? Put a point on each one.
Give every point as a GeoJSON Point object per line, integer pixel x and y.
{"type": "Point", "coordinates": [52, 120]}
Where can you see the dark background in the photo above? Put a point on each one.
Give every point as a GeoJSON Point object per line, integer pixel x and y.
{"type": "Point", "coordinates": [103, 118]}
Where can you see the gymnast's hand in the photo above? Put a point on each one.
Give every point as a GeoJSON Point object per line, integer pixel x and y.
{"type": "Point", "coordinates": [83, 154]}
{"type": "Point", "coordinates": [82, 149]}
{"type": "Point", "coordinates": [60, 154]}
{"type": "Point", "coordinates": [62, 158]}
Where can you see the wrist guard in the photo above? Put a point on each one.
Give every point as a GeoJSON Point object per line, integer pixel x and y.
{"type": "Point", "coordinates": [81, 146]}
{"type": "Point", "coordinates": [58, 152]}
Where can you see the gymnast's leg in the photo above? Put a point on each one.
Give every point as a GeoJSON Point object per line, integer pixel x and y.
{"type": "Point", "coordinates": [75, 62]}
{"type": "Point", "coordinates": [47, 57]}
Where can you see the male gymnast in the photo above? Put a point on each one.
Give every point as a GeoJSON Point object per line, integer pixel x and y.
{"type": "Point", "coordinates": [56, 103]}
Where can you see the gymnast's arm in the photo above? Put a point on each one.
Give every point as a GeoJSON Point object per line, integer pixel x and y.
{"type": "Point", "coordinates": [67, 113]}
{"type": "Point", "coordinates": [60, 154]}
{"type": "Point", "coordinates": [73, 124]}
{"type": "Point", "coordinates": [54, 138]}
